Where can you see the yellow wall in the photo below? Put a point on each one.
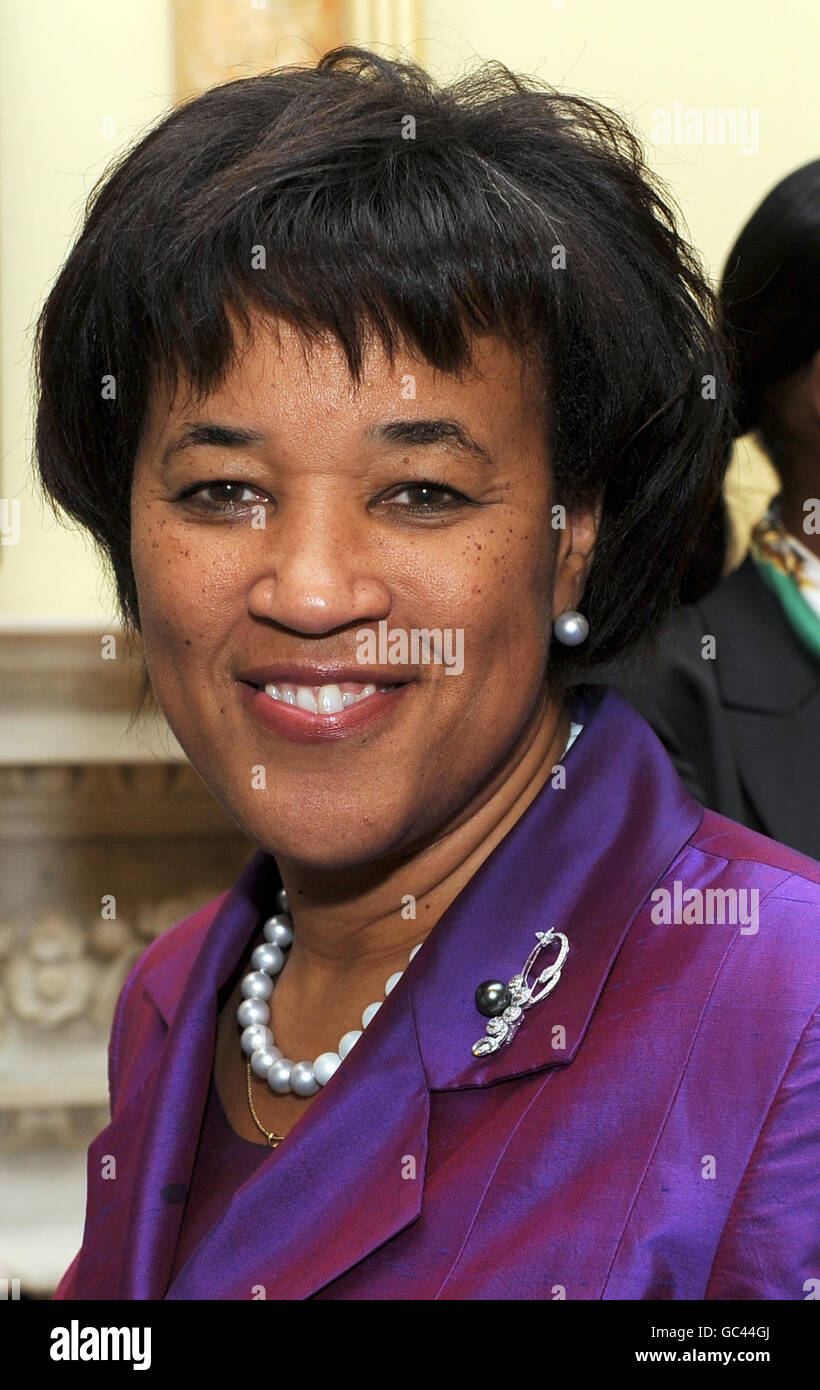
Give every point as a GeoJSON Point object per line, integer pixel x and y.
{"type": "Point", "coordinates": [643, 56]}
{"type": "Point", "coordinates": [66, 64]}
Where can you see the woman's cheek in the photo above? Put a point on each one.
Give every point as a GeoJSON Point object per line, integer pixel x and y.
{"type": "Point", "coordinates": [185, 588]}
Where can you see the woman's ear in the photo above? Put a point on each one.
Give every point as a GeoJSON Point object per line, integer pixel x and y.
{"type": "Point", "coordinates": [576, 546]}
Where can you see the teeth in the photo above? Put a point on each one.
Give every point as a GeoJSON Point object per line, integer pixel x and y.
{"type": "Point", "coordinates": [325, 699]}
{"type": "Point", "coordinates": [330, 700]}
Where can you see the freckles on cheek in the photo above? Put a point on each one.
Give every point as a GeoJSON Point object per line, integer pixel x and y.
{"type": "Point", "coordinates": [498, 593]}
{"type": "Point", "coordinates": [515, 559]}
{"type": "Point", "coordinates": [179, 586]}
{"type": "Point", "coordinates": [521, 585]}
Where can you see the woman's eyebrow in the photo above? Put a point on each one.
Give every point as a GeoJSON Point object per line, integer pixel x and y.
{"type": "Point", "coordinates": [433, 431]}
{"type": "Point", "coordinates": [405, 432]}
{"type": "Point", "coordinates": [220, 436]}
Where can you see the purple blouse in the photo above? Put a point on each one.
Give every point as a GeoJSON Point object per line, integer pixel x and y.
{"type": "Point", "coordinates": [224, 1161]}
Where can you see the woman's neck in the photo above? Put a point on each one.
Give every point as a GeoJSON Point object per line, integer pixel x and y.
{"type": "Point", "coordinates": [366, 918]}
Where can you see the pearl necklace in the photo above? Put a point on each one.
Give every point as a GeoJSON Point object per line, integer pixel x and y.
{"type": "Point", "coordinates": [253, 1016]}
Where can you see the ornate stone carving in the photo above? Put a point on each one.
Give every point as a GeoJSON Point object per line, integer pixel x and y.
{"type": "Point", "coordinates": [50, 979]}
{"type": "Point", "coordinates": [50, 1127]}
{"type": "Point", "coordinates": [61, 970]}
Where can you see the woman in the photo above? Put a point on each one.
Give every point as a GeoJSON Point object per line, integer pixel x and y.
{"type": "Point", "coordinates": [734, 690]}
{"type": "Point", "coordinates": [401, 372]}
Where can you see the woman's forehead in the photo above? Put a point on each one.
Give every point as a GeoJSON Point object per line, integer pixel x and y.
{"type": "Point", "coordinates": [272, 356]}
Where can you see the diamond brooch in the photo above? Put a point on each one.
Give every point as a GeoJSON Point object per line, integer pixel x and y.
{"type": "Point", "coordinates": [504, 1005]}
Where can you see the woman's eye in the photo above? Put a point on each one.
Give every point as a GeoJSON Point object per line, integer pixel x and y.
{"type": "Point", "coordinates": [224, 496]}
{"type": "Point", "coordinates": [426, 498]}
{"type": "Point", "coordinates": [416, 499]}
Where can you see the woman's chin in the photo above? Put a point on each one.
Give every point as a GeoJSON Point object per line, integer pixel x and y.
{"type": "Point", "coordinates": [332, 852]}
{"type": "Point", "coordinates": [328, 841]}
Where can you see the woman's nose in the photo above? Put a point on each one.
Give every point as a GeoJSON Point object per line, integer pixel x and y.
{"type": "Point", "coordinates": [318, 576]}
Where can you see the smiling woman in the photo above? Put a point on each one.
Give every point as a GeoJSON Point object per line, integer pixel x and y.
{"type": "Point", "coordinates": [471, 388]}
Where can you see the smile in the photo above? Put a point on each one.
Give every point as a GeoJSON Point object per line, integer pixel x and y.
{"type": "Point", "coordinates": [321, 710]}
{"type": "Point", "coordinates": [324, 699]}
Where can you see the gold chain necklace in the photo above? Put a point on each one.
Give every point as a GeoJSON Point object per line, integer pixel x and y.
{"type": "Point", "coordinates": [273, 1139]}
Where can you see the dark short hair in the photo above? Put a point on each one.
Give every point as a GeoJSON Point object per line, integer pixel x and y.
{"type": "Point", "coordinates": [428, 239]}
{"type": "Point", "coordinates": [770, 299]}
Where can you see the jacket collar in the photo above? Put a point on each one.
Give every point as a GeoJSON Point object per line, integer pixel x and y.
{"type": "Point", "coordinates": [581, 859]}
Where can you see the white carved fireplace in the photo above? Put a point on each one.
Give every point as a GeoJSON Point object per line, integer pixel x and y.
{"type": "Point", "coordinates": [107, 838]}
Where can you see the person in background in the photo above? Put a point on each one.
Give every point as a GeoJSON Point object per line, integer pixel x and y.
{"type": "Point", "coordinates": [733, 688]}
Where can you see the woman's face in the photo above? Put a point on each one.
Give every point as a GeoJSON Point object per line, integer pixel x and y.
{"type": "Point", "coordinates": [294, 531]}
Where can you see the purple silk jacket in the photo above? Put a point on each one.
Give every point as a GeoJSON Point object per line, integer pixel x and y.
{"type": "Point", "coordinates": [649, 1133]}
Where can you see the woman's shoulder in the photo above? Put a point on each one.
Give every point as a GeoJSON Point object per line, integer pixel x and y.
{"type": "Point", "coordinates": [728, 840]}
{"type": "Point", "coordinates": [763, 894]}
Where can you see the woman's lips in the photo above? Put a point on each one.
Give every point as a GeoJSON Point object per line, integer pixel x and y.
{"type": "Point", "coordinates": [302, 725]}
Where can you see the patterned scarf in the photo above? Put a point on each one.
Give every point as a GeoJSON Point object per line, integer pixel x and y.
{"type": "Point", "coordinates": [793, 573]}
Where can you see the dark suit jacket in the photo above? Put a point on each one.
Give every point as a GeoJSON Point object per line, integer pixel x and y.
{"type": "Point", "coordinates": [743, 729]}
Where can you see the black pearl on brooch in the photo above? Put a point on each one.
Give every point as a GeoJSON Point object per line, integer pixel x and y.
{"type": "Point", "coordinates": [492, 998]}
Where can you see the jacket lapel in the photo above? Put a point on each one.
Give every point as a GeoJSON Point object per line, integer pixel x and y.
{"type": "Point", "coordinates": [582, 860]}
{"type": "Point", "coordinates": [113, 1160]}
{"type": "Point", "coordinates": [344, 1180]}
{"type": "Point", "coordinates": [153, 1135]}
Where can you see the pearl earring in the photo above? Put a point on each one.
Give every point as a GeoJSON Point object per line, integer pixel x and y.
{"type": "Point", "coordinates": [571, 628]}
